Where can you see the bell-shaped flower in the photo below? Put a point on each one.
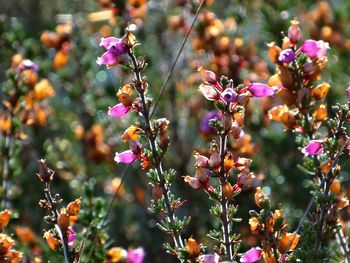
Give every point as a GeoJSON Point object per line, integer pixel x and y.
{"type": "Point", "coordinates": [315, 49]}
{"type": "Point", "coordinates": [209, 92]}
{"type": "Point", "coordinates": [251, 256]}
{"type": "Point", "coordinates": [201, 179]}
{"type": "Point", "coordinates": [260, 90]}
{"type": "Point", "coordinates": [129, 156]}
{"type": "Point", "coordinates": [135, 255]}
{"type": "Point", "coordinates": [229, 95]}
{"type": "Point", "coordinates": [116, 52]}
{"type": "Point", "coordinates": [118, 110]}
{"type": "Point", "coordinates": [314, 147]}
{"type": "Point", "coordinates": [286, 56]}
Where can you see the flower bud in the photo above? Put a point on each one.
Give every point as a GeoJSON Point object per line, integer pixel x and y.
{"type": "Point", "coordinates": [236, 131]}
{"type": "Point", "coordinates": [259, 197]}
{"type": "Point", "coordinates": [157, 192]}
{"type": "Point", "coordinates": [215, 160]}
{"type": "Point", "coordinates": [320, 91]}
{"type": "Point", "coordinates": [226, 120]}
{"type": "Point", "coordinates": [243, 99]}
{"type": "Point", "coordinates": [5, 243]}
{"type": "Point", "coordinates": [274, 52]}
{"type": "Point", "coordinates": [326, 166]}
{"type": "Point", "coordinates": [45, 174]}
{"type": "Point", "coordinates": [294, 32]}
{"type": "Point", "coordinates": [73, 208]}
{"type": "Point", "coordinates": [208, 76]}
{"type": "Point", "coordinates": [63, 221]}
{"type": "Point", "coordinates": [52, 241]}
{"type": "Point", "coordinates": [192, 248]}
{"type": "Point", "coordinates": [239, 118]}
{"type": "Point", "coordinates": [335, 187]}
{"type": "Point", "coordinates": [320, 113]}
{"type": "Point", "coordinates": [227, 190]}
{"type": "Point", "coordinates": [288, 242]}
{"type": "Point", "coordinates": [5, 124]}
{"type": "Point", "coordinates": [4, 218]}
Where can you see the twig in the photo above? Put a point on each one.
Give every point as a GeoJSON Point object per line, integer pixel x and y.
{"type": "Point", "coordinates": [175, 60]}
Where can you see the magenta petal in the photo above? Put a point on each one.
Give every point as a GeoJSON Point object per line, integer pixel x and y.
{"type": "Point", "coordinates": [118, 110]}
{"type": "Point", "coordinates": [109, 41]}
{"type": "Point", "coordinates": [313, 148]}
{"type": "Point", "coordinates": [310, 48]}
{"type": "Point", "coordinates": [109, 58]}
{"type": "Point", "coordinates": [126, 157]}
{"type": "Point", "coordinates": [209, 92]}
{"type": "Point", "coordinates": [348, 93]}
{"type": "Point", "coordinates": [260, 90]}
{"type": "Point", "coordinates": [71, 236]}
{"type": "Point", "coordinates": [136, 255]}
{"type": "Point", "coordinates": [252, 255]}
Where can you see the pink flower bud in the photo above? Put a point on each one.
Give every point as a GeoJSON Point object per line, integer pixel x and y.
{"type": "Point", "coordinates": [294, 33]}
{"type": "Point", "coordinates": [260, 90]}
{"type": "Point", "coordinates": [251, 256]}
{"type": "Point", "coordinates": [313, 148]}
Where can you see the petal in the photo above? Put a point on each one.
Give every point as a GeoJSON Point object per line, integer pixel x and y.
{"type": "Point", "coordinates": [118, 110]}
{"type": "Point", "coordinates": [71, 236]}
{"type": "Point", "coordinates": [193, 182]}
{"type": "Point", "coordinates": [252, 255]}
{"type": "Point", "coordinates": [109, 58]}
{"type": "Point", "coordinates": [313, 148]}
{"type": "Point", "coordinates": [126, 157]}
{"type": "Point", "coordinates": [136, 255]}
{"type": "Point", "coordinates": [109, 41]}
{"type": "Point", "coordinates": [260, 90]}
{"type": "Point", "coordinates": [209, 92]}
{"type": "Point", "coordinates": [310, 48]}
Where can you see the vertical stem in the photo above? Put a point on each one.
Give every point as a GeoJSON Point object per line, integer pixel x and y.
{"type": "Point", "coordinates": [156, 158]}
{"type": "Point", "coordinates": [6, 168]}
{"type": "Point", "coordinates": [224, 201]}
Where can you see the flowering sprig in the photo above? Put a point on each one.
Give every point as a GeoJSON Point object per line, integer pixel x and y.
{"type": "Point", "coordinates": [230, 173]}
{"type": "Point", "coordinates": [305, 113]}
{"type": "Point", "coordinates": [121, 51]}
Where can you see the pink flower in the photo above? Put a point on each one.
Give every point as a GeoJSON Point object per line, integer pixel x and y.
{"type": "Point", "coordinates": [119, 110]}
{"type": "Point", "coordinates": [260, 90]}
{"type": "Point", "coordinates": [252, 255]}
{"type": "Point", "coordinates": [71, 236]}
{"type": "Point", "coordinates": [136, 255]}
{"type": "Point", "coordinates": [28, 64]}
{"type": "Point", "coordinates": [209, 258]}
{"type": "Point", "coordinates": [348, 93]}
{"type": "Point", "coordinates": [313, 148]}
{"type": "Point", "coordinates": [129, 156]}
{"type": "Point", "coordinates": [315, 49]}
{"type": "Point", "coordinates": [201, 179]}
{"type": "Point", "coordinates": [116, 52]}
{"type": "Point", "coordinates": [209, 92]}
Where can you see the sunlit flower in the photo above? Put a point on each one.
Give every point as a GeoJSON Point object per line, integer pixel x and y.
{"type": "Point", "coordinates": [4, 218]}
{"type": "Point", "coordinates": [73, 208]}
{"type": "Point", "coordinates": [116, 254]}
{"type": "Point", "coordinates": [131, 133]}
{"type": "Point", "coordinates": [115, 54]}
{"type": "Point", "coordinates": [315, 49]}
{"type": "Point", "coordinates": [260, 90]}
{"type": "Point", "coordinates": [313, 148]}
{"type": "Point", "coordinates": [129, 156]}
{"type": "Point", "coordinates": [289, 241]}
{"type": "Point", "coordinates": [136, 255]}
{"type": "Point", "coordinates": [192, 248]}
{"type": "Point", "coordinates": [118, 110]}
{"type": "Point", "coordinates": [251, 256]}
{"type": "Point", "coordinates": [43, 89]}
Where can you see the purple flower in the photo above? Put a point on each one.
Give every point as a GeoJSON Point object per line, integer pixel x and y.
{"type": "Point", "coordinates": [286, 56]}
{"type": "Point", "coordinates": [116, 52]}
{"type": "Point", "coordinates": [204, 125]}
{"type": "Point", "coordinates": [209, 258]}
{"type": "Point", "coordinates": [313, 148]}
{"type": "Point", "coordinates": [136, 255]}
{"type": "Point", "coordinates": [315, 49]}
{"type": "Point", "coordinates": [229, 95]}
{"type": "Point", "coordinates": [28, 64]}
{"type": "Point", "coordinates": [260, 90]}
{"type": "Point", "coordinates": [71, 236]}
{"type": "Point", "coordinates": [252, 255]}
{"type": "Point", "coordinates": [348, 92]}
{"type": "Point", "coordinates": [118, 110]}
{"type": "Point", "coordinates": [129, 156]}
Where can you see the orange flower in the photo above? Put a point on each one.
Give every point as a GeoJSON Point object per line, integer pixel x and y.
{"type": "Point", "coordinates": [335, 187]}
{"type": "Point", "coordinates": [124, 95]}
{"type": "Point", "coordinates": [254, 223]}
{"type": "Point", "coordinates": [63, 221]}
{"type": "Point", "coordinates": [4, 218]}
{"type": "Point", "coordinates": [131, 133]}
{"type": "Point", "coordinates": [320, 91]}
{"type": "Point", "coordinates": [60, 59]}
{"type": "Point", "coordinates": [288, 240]}
{"type": "Point", "coordinates": [43, 89]}
{"type": "Point", "coordinates": [320, 113]}
{"type": "Point", "coordinates": [192, 248]}
{"type": "Point", "coordinates": [274, 52]}
{"type": "Point", "coordinates": [5, 243]}
{"type": "Point", "coordinates": [268, 257]}
{"type": "Point", "coordinates": [15, 256]}
{"type": "Point", "coordinates": [52, 241]}
{"type": "Point", "coordinates": [259, 197]}
{"type": "Point", "coordinates": [26, 235]}
{"type": "Point", "coordinates": [73, 208]}
{"type": "Point", "coordinates": [116, 254]}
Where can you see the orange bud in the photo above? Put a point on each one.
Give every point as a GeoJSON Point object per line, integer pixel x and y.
{"type": "Point", "coordinates": [14, 255]}
{"type": "Point", "coordinates": [274, 52]}
{"type": "Point", "coordinates": [229, 162]}
{"type": "Point", "coordinates": [320, 91]}
{"type": "Point", "coordinates": [116, 254]}
{"type": "Point", "coordinates": [227, 190]}
{"type": "Point", "coordinates": [239, 118]}
{"type": "Point", "coordinates": [60, 60]}
{"type": "Point", "coordinates": [52, 241]}
{"type": "Point", "coordinates": [26, 235]}
{"type": "Point", "coordinates": [73, 208]}
{"type": "Point", "coordinates": [288, 119]}
{"type": "Point", "coordinates": [288, 240]}
{"type": "Point", "coordinates": [326, 166]}
{"type": "Point", "coordinates": [5, 243]}
{"type": "Point", "coordinates": [286, 77]}
{"type": "Point", "coordinates": [131, 133]}
{"type": "Point", "coordinates": [43, 89]}
{"type": "Point", "coordinates": [320, 113]}
{"type": "Point", "coordinates": [63, 221]}
{"type": "Point", "coordinates": [5, 124]}
{"type": "Point", "coordinates": [192, 248]}
{"type": "Point", "coordinates": [335, 187]}
{"type": "Point", "coordinates": [269, 257]}
{"type": "Point", "coordinates": [259, 196]}
{"type": "Point", "coordinates": [254, 223]}
{"type": "Point", "coordinates": [124, 95]}
{"type": "Point", "coordinates": [4, 218]}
